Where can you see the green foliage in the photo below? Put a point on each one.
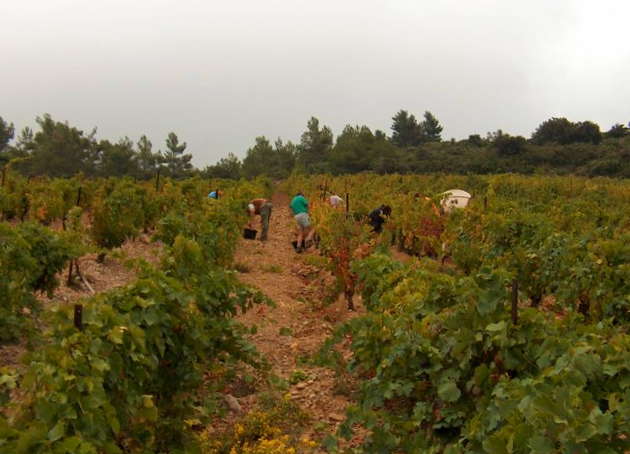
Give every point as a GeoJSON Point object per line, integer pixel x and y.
{"type": "Point", "coordinates": [562, 131]}
{"type": "Point", "coordinates": [31, 256]}
{"type": "Point", "coordinates": [152, 206]}
{"type": "Point", "coordinates": [414, 146]}
{"type": "Point", "coordinates": [51, 200]}
{"type": "Point", "coordinates": [587, 132]}
{"type": "Point", "coordinates": [297, 376]}
{"type": "Point", "coordinates": [14, 202]}
{"type": "Point", "coordinates": [216, 227]}
{"type": "Point", "coordinates": [177, 162]}
{"type": "Point", "coordinates": [431, 128]}
{"type": "Point", "coordinates": [475, 140]}
{"type": "Point", "coordinates": [116, 216]}
{"type": "Point", "coordinates": [358, 149]}
{"type": "Point", "coordinates": [440, 364]}
{"type": "Point", "coordinates": [257, 158]}
{"type": "Point", "coordinates": [130, 379]}
{"type": "Point", "coordinates": [617, 131]}
{"type": "Point", "coordinates": [407, 132]}
{"type": "Point", "coordinates": [442, 367]}
{"type": "Point", "coordinates": [551, 247]}
{"type": "Point", "coordinates": [284, 331]}
{"type": "Point", "coordinates": [285, 158]}
{"type": "Point", "coordinates": [7, 132]}
{"type": "Point", "coordinates": [343, 239]}
{"type": "Point", "coordinates": [314, 144]}
{"type": "Point", "coordinates": [8, 383]}
{"type": "Point", "coordinates": [117, 160]}
{"type": "Point", "coordinates": [145, 158]}
{"type": "Point", "coordinates": [229, 168]}
{"type": "Point", "coordinates": [508, 145]}
{"type": "Point", "coordinates": [263, 159]}
{"type": "Point", "coordinates": [61, 150]}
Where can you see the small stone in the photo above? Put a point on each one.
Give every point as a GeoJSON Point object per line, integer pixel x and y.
{"type": "Point", "coordinates": [336, 417]}
{"type": "Point", "coordinates": [232, 403]}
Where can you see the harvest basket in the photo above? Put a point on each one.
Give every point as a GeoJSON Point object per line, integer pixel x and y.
{"type": "Point", "coordinates": [249, 234]}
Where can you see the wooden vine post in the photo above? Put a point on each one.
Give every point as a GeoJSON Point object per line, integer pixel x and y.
{"type": "Point", "coordinates": [514, 301]}
{"type": "Point", "coordinates": [75, 263]}
{"type": "Point", "coordinates": [78, 316]}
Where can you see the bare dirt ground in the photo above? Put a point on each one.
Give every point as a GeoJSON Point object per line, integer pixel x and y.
{"type": "Point", "coordinates": [299, 324]}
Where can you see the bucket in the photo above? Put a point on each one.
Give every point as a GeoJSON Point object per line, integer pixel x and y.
{"type": "Point", "coordinates": [249, 234]}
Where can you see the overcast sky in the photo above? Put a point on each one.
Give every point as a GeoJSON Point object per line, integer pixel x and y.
{"type": "Point", "coordinates": [221, 73]}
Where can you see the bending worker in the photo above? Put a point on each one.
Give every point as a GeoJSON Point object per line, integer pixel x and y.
{"type": "Point", "coordinates": [299, 208]}
{"type": "Point", "coordinates": [263, 208]}
{"type": "Point", "coordinates": [215, 194]}
{"type": "Point", "coordinates": [335, 201]}
{"type": "Point", "coordinates": [378, 216]}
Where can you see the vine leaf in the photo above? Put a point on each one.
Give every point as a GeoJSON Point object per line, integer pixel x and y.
{"type": "Point", "coordinates": [449, 391]}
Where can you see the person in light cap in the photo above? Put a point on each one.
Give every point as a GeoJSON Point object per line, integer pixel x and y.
{"type": "Point", "coordinates": [263, 208]}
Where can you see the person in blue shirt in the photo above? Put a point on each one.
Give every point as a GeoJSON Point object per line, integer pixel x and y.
{"type": "Point", "coordinates": [213, 195]}
{"type": "Point", "coordinates": [299, 208]}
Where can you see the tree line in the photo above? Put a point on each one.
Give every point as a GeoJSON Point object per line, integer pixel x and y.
{"type": "Point", "coordinates": [557, 146]}
{"type": "Point", "coordinates": [61, 150]}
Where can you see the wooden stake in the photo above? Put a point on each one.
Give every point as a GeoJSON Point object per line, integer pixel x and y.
{"type": "Point", "coordinates": [87, 284]}
{"type": "Point", "coordinates": [83, 279]}
{"type": "Point", "coordinates": [70, 273]}
{"type": "Point", "coordinates": [514, 301]}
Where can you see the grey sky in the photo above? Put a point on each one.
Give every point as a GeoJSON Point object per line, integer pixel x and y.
{"type": "Point", "coordinates": [221, 73]}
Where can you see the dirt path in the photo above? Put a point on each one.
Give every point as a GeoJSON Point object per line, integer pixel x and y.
{"type": "Point", "coordinates": [296, 328]}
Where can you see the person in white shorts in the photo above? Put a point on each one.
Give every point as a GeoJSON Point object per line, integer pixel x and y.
{"type": "Point", "coordinates": [299, 207]}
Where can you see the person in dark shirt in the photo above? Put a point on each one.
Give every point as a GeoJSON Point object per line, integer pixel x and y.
{"type": "Point", "coordinates": [378, 217]}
